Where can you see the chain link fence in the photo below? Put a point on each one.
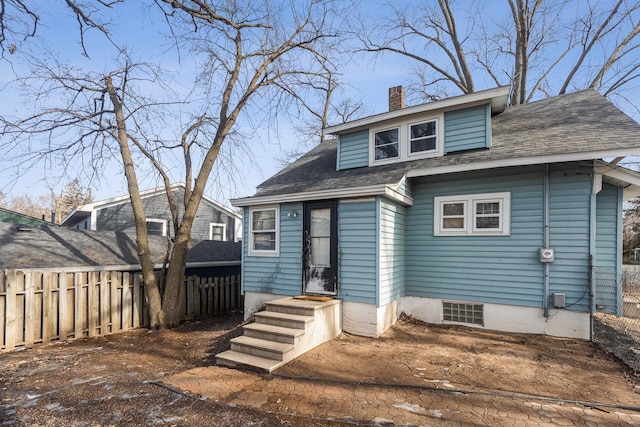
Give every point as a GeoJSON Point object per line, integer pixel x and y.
{"type": "Point", "coordinates": [616, 321]}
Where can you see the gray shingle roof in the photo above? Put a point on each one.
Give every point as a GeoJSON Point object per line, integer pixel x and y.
{"type": "Point", "coordinates": [55, 247]}
{"type": "Point", "coordinates": [578, 123]}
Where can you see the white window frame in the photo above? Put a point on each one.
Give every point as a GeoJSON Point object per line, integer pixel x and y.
{"type": "Point", "coordinates": [404, 140]}
{"type": "Point", "coordinates": [224, 230]}
{"type": "Point", "coordinates": [256, 252]}
{"type": "Point", "coordinates": [470, 215]}
{"type": "Point", "coordinates": [426, 153]}
{"type": "Point", "coordinates": [399, 143]}
{"type": "Point", "coordinates": [465, 211]}
{"type": "Point", "coordinates": [157, 220]}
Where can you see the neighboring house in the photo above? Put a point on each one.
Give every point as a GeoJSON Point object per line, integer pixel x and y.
{"type": "Point", "coordinates": [7, 215]}
{"type": "Point", "coordinates": [460, 211]}
{"type": "Point", "coordinates": [213, 221]}
{"type": "Point", "coordinates": [59, 248]}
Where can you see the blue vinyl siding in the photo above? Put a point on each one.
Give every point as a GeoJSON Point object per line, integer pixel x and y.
{"type": "Point", "coordinates": [466, 129]}
{"type": "Point", "coordinates": [357, 251]}
{"type": "Point", "coordinates": [392, 251]}
{"type": "Point", "coordinates": [496, 269]}
{"type": "Point", "coordinates": [280, 274]}
{"type": "Point", "coordinates": [569, 229]}
{"type": "Point", "coordinates": [353, 150]}
{"type": "Point", "coordinates": [607, 262]}
{"type": "Point", "coordinates": [503, 269]}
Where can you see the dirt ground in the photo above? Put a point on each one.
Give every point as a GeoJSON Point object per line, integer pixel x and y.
{"type": "Point", "coordinates": [117, 380]}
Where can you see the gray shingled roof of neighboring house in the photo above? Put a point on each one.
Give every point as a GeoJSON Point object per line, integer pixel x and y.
{"type": "Point", "coordinates": [59, 247]}
{"type": "Point", "coordinates": [577, 123]}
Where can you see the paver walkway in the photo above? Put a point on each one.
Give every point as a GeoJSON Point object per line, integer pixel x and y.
{"type": "Point", "coordinates": [382, 405]}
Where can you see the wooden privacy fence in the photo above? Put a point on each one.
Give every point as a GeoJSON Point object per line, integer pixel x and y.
{"type": "Point", "coordinates": [40, 307]}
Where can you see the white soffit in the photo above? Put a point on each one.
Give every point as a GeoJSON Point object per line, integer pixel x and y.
{"type": "Point", "coordinates": [627, 179]}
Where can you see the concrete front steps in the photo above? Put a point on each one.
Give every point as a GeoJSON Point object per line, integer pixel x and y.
{"type": "Point", "coordinates": [286, 329]}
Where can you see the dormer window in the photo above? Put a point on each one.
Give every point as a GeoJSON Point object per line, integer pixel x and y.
{"type": "Point", "coordinates": [422, 137]}
{"type": "Point", "coordinates": [406, 141]}
{"type": "Point", "coordinates": [386, 143]}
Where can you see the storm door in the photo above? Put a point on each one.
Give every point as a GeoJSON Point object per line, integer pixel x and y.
{"type": "Point", "coordinates": [320, 258]}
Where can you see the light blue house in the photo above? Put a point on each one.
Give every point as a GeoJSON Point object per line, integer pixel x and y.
{"type": "Point", "coordinates": [461, 211]}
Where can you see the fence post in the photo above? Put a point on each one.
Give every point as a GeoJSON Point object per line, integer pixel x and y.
{"type": "Point", "coordinates": [197, 295]}
{"type": "Point", "coordinates": [105, 287]}
{"type": "Point", "coordinates": [11, 332]}
{"type": "Point", "coordinates": [137, 301]}
{"type": "Point", "coordinates": [216, 296]}
{"type": "Point", "coordinates": [79, 306]}
{"type": "Point", "coordinates": [190, 297]}
{"type": "Point", "coordinates": [210, 295]}
{"type": "Point", "coordinates": [30, 308]}
{"type": "Point", "coordinates": [126, 301]}
{"type": "Point", "coordinates": [64, 280]}
{"type": "Point", "coordinates": [49, 308]}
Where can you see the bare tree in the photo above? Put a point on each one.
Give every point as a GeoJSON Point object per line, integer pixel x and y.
{"type": "Point", "coordinates": [73, 195]}
{"type": "Point", "coordinates": [539, 47]}
{"type": "Point", "coordinates": [20, 19]}
{"type": "Point", "coordinates": [258, 58]}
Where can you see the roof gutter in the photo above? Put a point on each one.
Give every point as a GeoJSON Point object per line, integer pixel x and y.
{"type": "Point", "coordinates": [524, 161]}
{"type": "Point", "coordinates": [342, 193]}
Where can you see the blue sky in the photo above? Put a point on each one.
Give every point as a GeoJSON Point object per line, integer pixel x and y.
{"type": "Point", "coordinates": [366, 79]}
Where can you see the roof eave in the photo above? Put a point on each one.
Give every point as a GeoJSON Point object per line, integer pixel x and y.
{"type": "Point", "coordinates": [386, 190]}
{"type": "Point", "coordinates": [535, 160]}
{"type": "Point", "coordinates": [497, 97]}
{"type": "Point", "coordinates": [627, 179]}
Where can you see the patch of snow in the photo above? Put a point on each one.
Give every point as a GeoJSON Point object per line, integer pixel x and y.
{"type": "Point", "coordinates": [127, 396]}
{"type": "Point", "coordinates": [378, 421]}
{"type": "Point", "coordinates": [56, 407]}
{"type": "Point", "coordinates": [88, 380]}
{"type": "Point", "coordinates": [411, 407]}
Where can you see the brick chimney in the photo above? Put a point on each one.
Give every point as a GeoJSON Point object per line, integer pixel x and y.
{"type": "Point", "coordinates": [396, 98]}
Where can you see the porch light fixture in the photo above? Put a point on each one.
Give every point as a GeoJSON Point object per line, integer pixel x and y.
{"type": "Point", "coordinates": [293, 214]}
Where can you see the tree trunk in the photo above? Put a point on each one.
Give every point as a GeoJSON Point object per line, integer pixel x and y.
{"type": "Point", "coordinates": [142, 241]}
{"type": "Point", "coordinates": [176, 270]}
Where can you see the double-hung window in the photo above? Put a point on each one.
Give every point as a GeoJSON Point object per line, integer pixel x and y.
{"type": "Point", "coordinates": [423, 137]}
{"type": "Point", "coordinates": [217, 231]}
{"type": "Point", "coordinates": [263, 233]}
{"type": "Point", "coordinates": [387, 144]}
{"type": "Point", "coordinates": [476, 214]}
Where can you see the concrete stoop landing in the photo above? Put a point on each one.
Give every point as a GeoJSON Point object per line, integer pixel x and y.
{"type": "Point", "coordinates": [287, 328]}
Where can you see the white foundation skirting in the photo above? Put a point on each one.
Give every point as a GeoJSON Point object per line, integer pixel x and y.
{"type": "Point", "coordinates": [507, 318]}
{"type": "Point", "coordinates": [371, 321]}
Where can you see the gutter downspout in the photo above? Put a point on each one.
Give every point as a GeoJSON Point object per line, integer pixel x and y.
{"type": "Point", "coordinates": [596, 188]}
{"type": "Point", "coordinates": [546, 265]}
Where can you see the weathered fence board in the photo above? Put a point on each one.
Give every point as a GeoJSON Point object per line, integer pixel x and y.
{"type": "Point", "coordinates": [40, 307]}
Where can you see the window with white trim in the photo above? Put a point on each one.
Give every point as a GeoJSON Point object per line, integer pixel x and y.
{"type": "Point", "coordinates": [263, 231]}
{"type": "Point", "coordinates": [217, 232]}
{"type": "Point", "coordinates": [475, 214]}
{"type": "Point", "coordinates": [156, 227]}
{"type": "Point", "coordinates": [386, 144]}
{"type": "Point", "coordinates": [402, 141]}
{"type": "Point", "coordinates": [423, 137]}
